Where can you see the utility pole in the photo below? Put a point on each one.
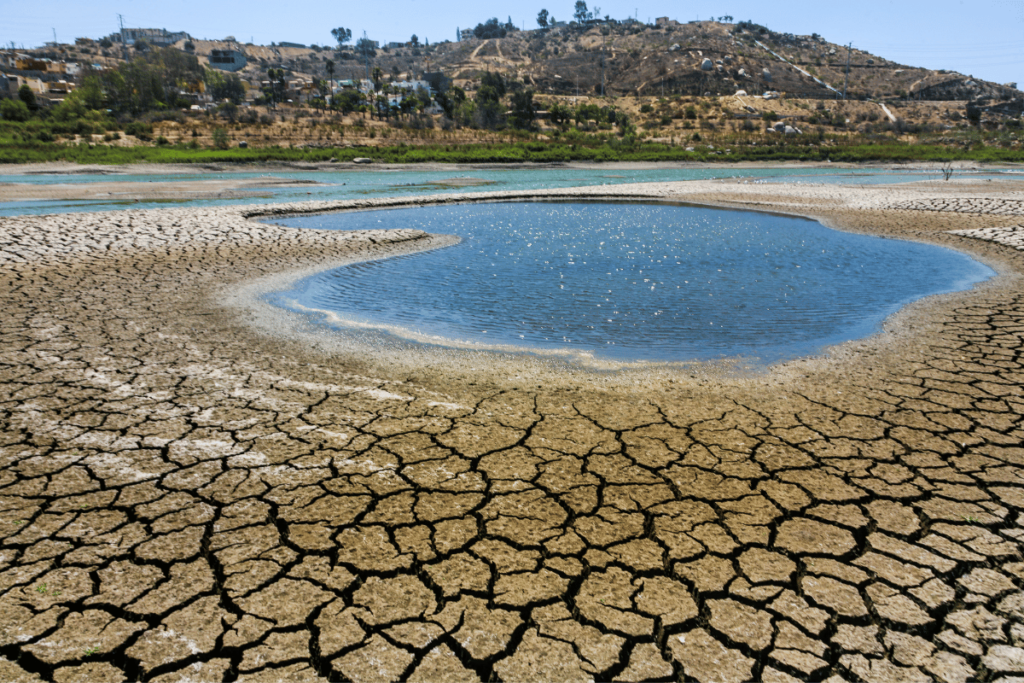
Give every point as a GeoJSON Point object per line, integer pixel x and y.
{"type": "Point", "coordinates": [120, 19]}
{"type": "Point", "coordinates": [366, 55]}
{"type": "Point", "coordinates": [847, 82]}
{"type": "Point", "coordinates": [604, 45]}
{"type": "Point", "coordinates": [369, 86]}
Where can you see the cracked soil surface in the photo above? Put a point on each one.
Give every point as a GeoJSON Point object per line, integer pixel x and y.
{"type": "Point", "coordinates": [186, 496]}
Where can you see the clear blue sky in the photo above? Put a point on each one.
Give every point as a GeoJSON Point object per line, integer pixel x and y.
{"type": "Point", "coordinates": [982, 38]}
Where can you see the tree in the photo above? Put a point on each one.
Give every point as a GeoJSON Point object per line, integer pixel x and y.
{"type": "Point", "coordinates": [26, 95]}
{"type": "Point", "coordinates": [489, 111]}
{"type": "Point", "coordinates": [330, 72]}
{"type": "Point", "coordinates": [275, 90]}
{"type": "Point", "coordinates": [324, 89]}
{"type": "Point", "coordinates": [220, 138]}
{"type": "Point", "coordinates": [229, 110]}
{"type": "Point", "coordinates": [342, 35]}
{"type": "Point", "coordinates": [581, 14]}
{"type": "Point", "coordinates": [348, 101]}
{"type": "Point", "coordinates": [542, 18]}
{"type": "Point", "coordinates": [14, 110]}
{"type": "Point", "coordinates": [414, 40]}
{"type": "Point", "coordinates": [91, 92]}
{"type": "Point", "coordinates": [365, 47]}
{"type": "Point", "coordinates": [559, 113]}
{"type": "Point", "coordinates": [377, 76]}
{"type": "Point", "coordinates": [408, 104]}
{"type": "Point", "coordinates": [524, 111]}
{"type": "Point", "coordinates": [223, 86]}
{"type": "Point", "coordinates": [490, 29]}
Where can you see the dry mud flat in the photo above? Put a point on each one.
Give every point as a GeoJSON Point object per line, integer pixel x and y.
{"type": "Point", "coordinates": [221, 188]}
{"type": "Point", "coordinates": [186, 496]}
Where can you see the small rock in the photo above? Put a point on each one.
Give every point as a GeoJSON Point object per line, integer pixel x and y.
{"type": "Point", "coordinates": [707, 65]}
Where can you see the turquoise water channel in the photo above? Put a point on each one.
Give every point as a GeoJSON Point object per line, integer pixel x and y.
{"type": "Point", "coordinates": [356, 184]}
{"type": "Point", "coordinates": [628, 281]}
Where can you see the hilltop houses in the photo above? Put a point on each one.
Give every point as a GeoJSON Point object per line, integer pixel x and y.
{"type": "Point", "coordinates": [159, 37]}
{"type": "Point", "coordinates": [228, 60]}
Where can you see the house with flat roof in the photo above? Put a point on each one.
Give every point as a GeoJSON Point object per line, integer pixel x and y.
{"type": "Point", "coordinates": [227, 60]}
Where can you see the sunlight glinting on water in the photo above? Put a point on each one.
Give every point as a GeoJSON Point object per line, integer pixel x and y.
{"type": "Point", "coordinates": [632, 281]}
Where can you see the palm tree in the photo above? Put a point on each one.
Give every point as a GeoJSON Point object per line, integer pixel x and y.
{"type": "Point", "coordinates": [378, 75]}
{"type": "Point", "coordinates": [330, 72]}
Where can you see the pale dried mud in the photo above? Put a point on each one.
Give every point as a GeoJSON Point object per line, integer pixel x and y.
{"type": "Point", "coordinates": [196, 491]}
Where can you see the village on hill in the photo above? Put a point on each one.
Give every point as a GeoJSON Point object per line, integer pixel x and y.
{"type": "Point", "coordinates": [694, 85]}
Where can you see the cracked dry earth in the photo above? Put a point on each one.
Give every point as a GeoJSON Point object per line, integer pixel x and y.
{"type": "Point", "coordinates": [186, 498]}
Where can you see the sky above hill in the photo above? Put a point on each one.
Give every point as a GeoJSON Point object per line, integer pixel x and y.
{"type": "Point", "coordinates": [981, 38]}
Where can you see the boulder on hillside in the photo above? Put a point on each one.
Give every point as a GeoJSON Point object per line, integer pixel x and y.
{"type": "Point", "coordinates": [766, 74]}
{"type": "Point", "coordinates": [742, 73]}
{"type": "Point", "coordinates": [707, 65]}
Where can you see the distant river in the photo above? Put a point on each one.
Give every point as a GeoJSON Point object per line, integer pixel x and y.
{"type": "Point", "coordinates": [342, 184]}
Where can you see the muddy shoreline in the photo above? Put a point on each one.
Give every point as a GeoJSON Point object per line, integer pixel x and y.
{"type": "Point", "coordinates": [197, 485]}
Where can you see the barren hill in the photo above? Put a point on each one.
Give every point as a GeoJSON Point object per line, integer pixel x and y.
{"type": "Point", "coordinates": [635, 59]}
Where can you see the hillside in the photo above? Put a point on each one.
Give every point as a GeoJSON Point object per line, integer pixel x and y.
{"type": "Point", "coordinates": [695, 85]}
{"type": "Point", "coordinates": [647, 60]}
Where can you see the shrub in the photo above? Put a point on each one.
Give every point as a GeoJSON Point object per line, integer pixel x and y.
{"type": "Point", "coordinates": [139, 129]}
{"type": "Point", "coordinates": [220, 138]}
{"type": "Point", "coordinates": [14, 110]}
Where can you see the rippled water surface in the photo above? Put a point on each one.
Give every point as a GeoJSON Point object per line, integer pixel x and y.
{"type": "Point", "coordinates": [357, 184]}
{"type": "Point", "coordinates": [630, 281]}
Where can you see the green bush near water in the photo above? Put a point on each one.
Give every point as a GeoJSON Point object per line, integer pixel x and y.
{"type": "Point", "coordinates": [26, 147]}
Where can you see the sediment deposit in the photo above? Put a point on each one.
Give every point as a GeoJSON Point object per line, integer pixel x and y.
{"type": "Point", "coordinates": [194, 487]}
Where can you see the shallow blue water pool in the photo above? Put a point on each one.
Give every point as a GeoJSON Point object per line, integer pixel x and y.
{"type": "Point", "coordinates": [630, 281]}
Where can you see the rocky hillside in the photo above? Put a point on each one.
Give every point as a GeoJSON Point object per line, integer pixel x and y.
{"type": "Point", "coordinates": [636, 59]}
